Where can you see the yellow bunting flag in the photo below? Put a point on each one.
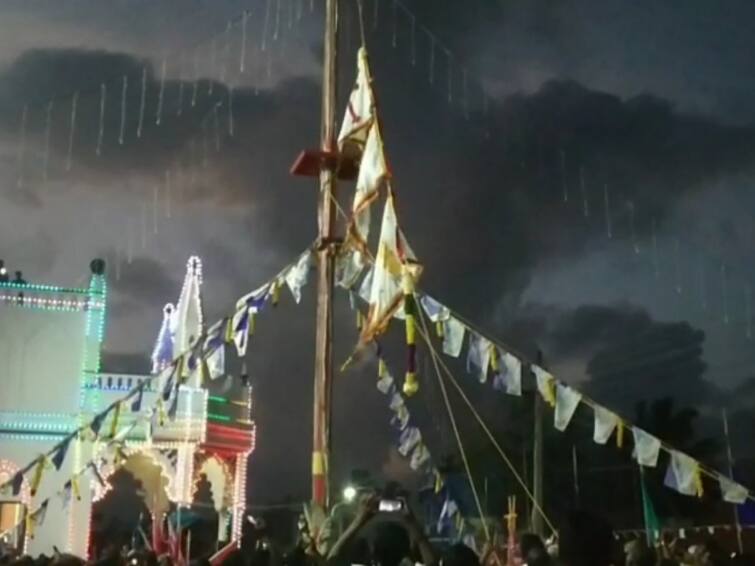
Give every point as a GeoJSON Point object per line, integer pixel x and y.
{"type": "Point", "coordinates": [75, 488]}
{"type": "Point", "coordinates": [620, 434]}
{"type": "Point", "coordinates": [439, 329]}
{"type": "Point", "coordinates": [495, 362]}
{"type": "Point", "coordinates": [36, 478]}
{"type": "Point", "coordinates": [275, 292]}
{"type": "Point", "coordinates": [411, 385]}
{"type": "Point", "coordinates": [438, 482]}
{"type": "Point", "coordinates": [228, 336]}
{"type": "Point", "coordinates": [382, 368]}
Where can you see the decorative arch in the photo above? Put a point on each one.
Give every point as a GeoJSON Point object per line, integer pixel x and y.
{"type": "Point", "coordinates": [220, 476]}
{"type": "Point", "coordinates": [158, 457]}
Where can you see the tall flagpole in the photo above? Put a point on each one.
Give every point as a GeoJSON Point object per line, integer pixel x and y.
{"type": "Point", "coordinates": [326, 265]}
{"type": "Point", "coordinates": [730, 458]}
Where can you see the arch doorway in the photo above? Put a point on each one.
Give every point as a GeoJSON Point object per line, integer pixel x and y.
{"type": "Point", "coordinates": [137, 490]}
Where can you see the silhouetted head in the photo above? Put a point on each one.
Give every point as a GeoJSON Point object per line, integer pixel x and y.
{"type": "Point", "coordinates": [391, 544]}
{"type": "Point", "coordinates": [459, 555]}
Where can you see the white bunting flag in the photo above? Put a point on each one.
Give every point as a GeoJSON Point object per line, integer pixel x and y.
{"type": "Point", "coordinates": [646, 448]}
{"type": "Point", "coordinates": [296, 277]}
{"type": "Point", "coordinates": [605, 423]}
{"type": "Point", "coordinates": [567, 401]}
{"type": "Point", "coordinates": [683, 475]}
{"type": "Point", "coordinates": [453, 337]}
{"type": "Point", "coordinates": [731, 491]}
{"type": "Point", "coordinates": [478, 356]}
{"type": "Point", "coordinates": [509, 375]}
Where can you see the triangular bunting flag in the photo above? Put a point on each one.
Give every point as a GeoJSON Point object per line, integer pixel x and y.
{"type": "Point", "coordinates": [683, 475]}
{"type": "Point", "coordinates": [36, 519]}
{"type": "Point", "coordinates": [420, 457]}
{"type": "Point", "coordinates": [478, 356]}
{"type": "Point", "coordinates": [453, 337]}
{"type": "Point", "coordinates": [60, 454]}
{"type": "Point", "coordinates": [296, 276]}
{"type": "Point", "coordinates": [731, 491]}
{"type": "Point", "coordinates": [546, 384]}
{"type": "Point", "coordinates": [605, 423]}
{"type": "Point", "coordinates": [646, 448]}
{"type": "Point", "coordinates": [508, 377]}
{"type": "Point", "coordinates": [567, 401]}
{"type": "Point", "coordinates": [409, 438]}
{"type": "Point", "coordinates": [216, 361]}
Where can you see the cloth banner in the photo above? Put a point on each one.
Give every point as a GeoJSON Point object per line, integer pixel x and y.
{"type": "Point", "coordinates": [453, 337]}
{"type": "Point", "coordinates": [683, 475]}
{"type": "Point", "coordinates": [731, 491]}
{"type": "Point", "coordinates": [216, 362]}
{"type": "Point", "coordinates": [508, 378]}
{"type": "Point", "coordinates": [395, 259]}
{"type": "Point", "coordinates": [385, 383]}
{"type": "Point", "coordinates": [420, 457]}
{"type": "Point", "coordinates": [646, 448]}
{"type": "Point", "coordinates": [359, 110]}
{"type": "Point", "coordinates": [409, 438]}
{"type": "Point", "coordinates": [605, 423]}
{"type": "Point", "coordinates": [545, 385]}
{"type": "Point", "coordinates": [478, 355]}
{"type": "Point", "coordinates": [296, 277]}
{"type": "Point", "coordinates": [60, 454]}
{"type": "Point", "coordinates": [567, 401]}
{"type": "Point", "coordinates": [435, 311]}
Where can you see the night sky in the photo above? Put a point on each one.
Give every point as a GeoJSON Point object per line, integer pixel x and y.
{"type": "Point", "coordinates": [580, 182]}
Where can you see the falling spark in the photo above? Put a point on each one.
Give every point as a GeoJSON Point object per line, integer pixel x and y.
{"type": "Point", "coordinates": [167, 193]}
{"type": "Point", "coordinates": [142, 102]}
{"type": "Point", "coordinates": [394, 38]}
{"type": "Point", "coordinates": [180, 103]}
{"type": "Point", "coordinates": [564, 185]}
{"type": "Point", "coordinates": [724, 294]}
{"type": "Point", "coordinates": [633, 231]}
{"type": "Point", "coordinates": [242, 54]}
{"type": "Point", "coordinates": [606, 199]}
{"type": "Point", "coordinates": [124, 92]}
{"type": "Point", "coordinates": [22, 147]}
{"type": "Point", "coordinates": [266, 25]}
{"type": "Point", "coordinates": [230, 111]}
{"type": "Point", "coordinates": [677, 267]}
{"type": "Point", "coordinates": [654, 239]}
{"type": "Point", "coordinates": [583, 191]}
{"type": "Point", "coordinates": [195, 73]}
{"type": "Point", "coordinates": [161, 94]}
{"type": "Point", "coordinates": [72, 130]}
{"type": "Point", "coordinates": [46, 154]}
{"type": "Point", "coordinates": [276, 30]}
{"type": "Point", "coordinates": [213, 58]}
{"type": "Point", "coordinates": [226, 52]}
{"type": "Point", "coordinates": [101, 131]}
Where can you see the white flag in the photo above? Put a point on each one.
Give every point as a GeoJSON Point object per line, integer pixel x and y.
{"type": "Point", "coordinates": [683, 474]}
{"type": "Point", "coordinates": [605, 423]}
{"type": "Point", "coordinates": [567, 401]}
{"type": "Point", "coordinates": [296, 277]}
{"type": "Point", "coordinates": [478, 355]}
{"type": "Point", "coordinates": [373, 170]}
{"type": "Point", "coordinates": [731, 491]}
{"type": "Point", "coordinates": [216, 362]}
{"type": "Point", "coordinates": [510, 373]}
{"type": "Point", "coordinates": [435, 311]}
{"type": "Point", "coordinates": [453, 337]}
{"type": "Point", "coordinates": [359, 111]}
{"type": "Point", "coordinates": [394, 260]}
{"type": "Point", "coordinates": [646, 448]}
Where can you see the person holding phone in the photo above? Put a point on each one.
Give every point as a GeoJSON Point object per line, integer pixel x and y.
{"type": "Point", "coordinates": [393, 538]}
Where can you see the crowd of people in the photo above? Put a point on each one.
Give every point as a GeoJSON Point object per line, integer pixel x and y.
{"type": "Point", "coordinates": [373, 538]}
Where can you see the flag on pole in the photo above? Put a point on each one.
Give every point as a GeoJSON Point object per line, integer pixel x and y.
{"type": "Point", "coordinates": [360, 110]}
{"type": "Point", "coordinates": [394, 259]}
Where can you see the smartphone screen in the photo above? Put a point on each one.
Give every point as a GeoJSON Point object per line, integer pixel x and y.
{"type": "Point", "coordinates": [390, 505]}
